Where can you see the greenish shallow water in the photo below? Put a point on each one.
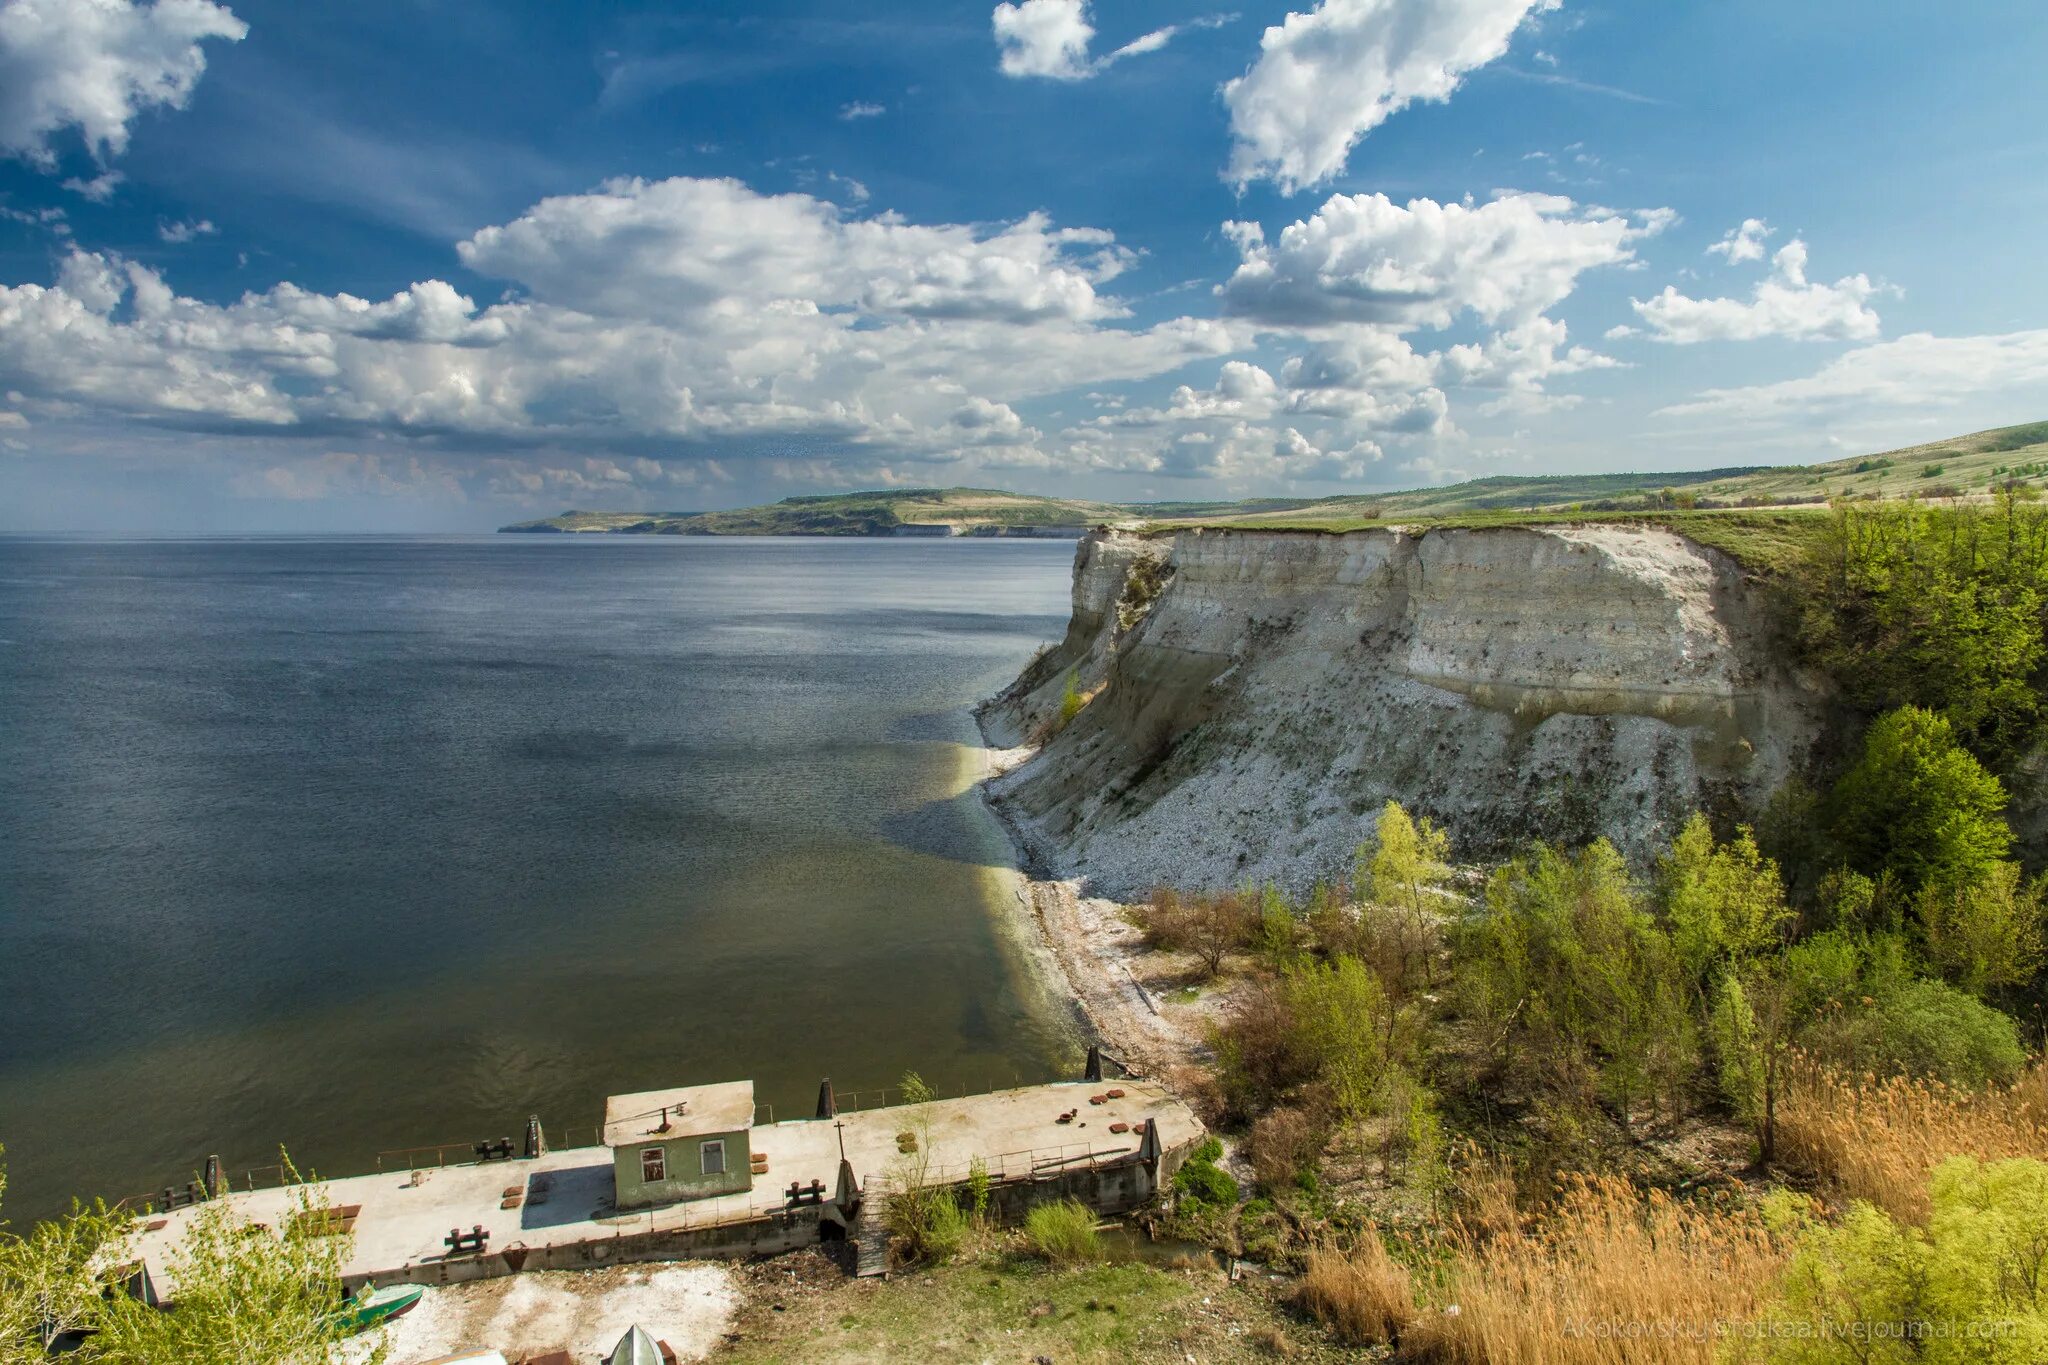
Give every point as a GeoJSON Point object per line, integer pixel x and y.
{"type": "Point", "coordinates": [363, 844]}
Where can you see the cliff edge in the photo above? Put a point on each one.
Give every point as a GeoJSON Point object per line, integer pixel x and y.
{"type": "Point", "coordinates": [1255, 697]}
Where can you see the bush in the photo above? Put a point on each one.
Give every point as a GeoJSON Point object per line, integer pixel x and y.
{"type": "Point", "coordinates": [1985, 934]}
{"type": "Point", "coordinates": [1260, 1057]}
{"type": "Point", "coordinates": [1725, 903]}
{"type": "Point", "coordinates": [1966, 1287]}
{"type": "Point", "coordinates": [1570, 969]}
{"type": "Point", "coordinates": [1063, 1232]}
{"type": "Point", "coordinates": [1201, 1181]}
{"type": "Point", "coordinates": [1285, 1143]}
{"type": "Point", "coordinates": [926, 1223]}
{"type": "Point", "coordinates": [1071, 702]}
{"type": "Point", "coordinates": [1919, 1028]}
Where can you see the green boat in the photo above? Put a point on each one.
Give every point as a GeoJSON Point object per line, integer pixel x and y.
{"type": "Point", "coordinates": [372, 1306]}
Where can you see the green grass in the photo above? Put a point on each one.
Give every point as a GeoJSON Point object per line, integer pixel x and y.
{"type": "Point", "coordinates": [1063, 1232]}
{"type": "Point", "coordinates": [1005, 1311]}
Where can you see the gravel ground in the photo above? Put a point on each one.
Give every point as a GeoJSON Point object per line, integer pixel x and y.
{"type": "Point", "coordinates": [586, 1312]}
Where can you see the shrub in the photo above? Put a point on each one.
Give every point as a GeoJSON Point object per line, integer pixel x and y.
{"type": "Point", "coordinates": [1201, 1181]}
{"type": "Point", "coordinates": [1276, 933]}
{"type": "Point", "coordinates": [1063, 1232]}
{"type": "Point", "coordinates": [1343, 1023]}
{"type": "Point", "coordinates": [1285, 1143]}
{"type": "Point", "coordinates": [1260, 1057]}
{"type": "Point", "coordinates": [1071, 702]}
{"type": "Point", "coordinates": [1725, 902]}
{"type": "Point", "coordinates": [926, 1223]}
{"type": "Point", "coordinates": [1210, 925]}
{"type": "Point", "coordinates": [1984, 934]}
{"type": "Point", "coordinates": [1966, 1287]}
{"type": "Point", "coordinates": [1403, 863]}
{"type": "Point", "coordinates": [1363, 1296]}
{"type": "Point", "coordinates": [1922, 1028]}
{"type": "Point", "coordinates": [1570, 967]}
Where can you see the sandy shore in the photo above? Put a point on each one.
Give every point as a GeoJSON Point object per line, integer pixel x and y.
{"type": "Point", "coordinates": [1099, 961]}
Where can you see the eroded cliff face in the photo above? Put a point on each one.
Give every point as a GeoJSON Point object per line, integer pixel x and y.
{"type": "Point", "coordinates": [1258, 696]}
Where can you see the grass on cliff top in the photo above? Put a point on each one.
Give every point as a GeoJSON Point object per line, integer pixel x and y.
{"type": "Point", "coordinates": [1001, 1310]}
{"type": "Point", "coordinates": [1769, 542]}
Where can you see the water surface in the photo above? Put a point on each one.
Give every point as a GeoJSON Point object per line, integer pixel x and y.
{"type": "Point", "coordinates": [363, 844]}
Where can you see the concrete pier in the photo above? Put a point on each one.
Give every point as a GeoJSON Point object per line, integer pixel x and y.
{"type": "Point", "coordinates": [557, 1211]}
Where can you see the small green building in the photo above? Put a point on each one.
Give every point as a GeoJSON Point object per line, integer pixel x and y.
{"type": "Point", "coordinates": [687, 1143]}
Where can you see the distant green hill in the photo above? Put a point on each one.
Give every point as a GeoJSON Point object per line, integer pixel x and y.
{"type": "Point", "coordinates": [905, 511]}
{"type": "Point", "coordinates": [1956, 467]}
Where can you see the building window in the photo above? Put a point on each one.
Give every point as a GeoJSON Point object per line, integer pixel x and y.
{"type": "Point", "coordinates": [653, 1165]}
{"type": "Point", "coordinates": [714, 1157]}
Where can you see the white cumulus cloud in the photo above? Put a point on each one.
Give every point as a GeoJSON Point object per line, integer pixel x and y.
{"type": "Point", "coordinates": [1784, 304]}
{"type": "Point", "coordinates": [95, 65]}
{"type": "Point", "coordinates": [643, 317]}
{"type": "Point", "coordinates": [1364, 258]}
{"type": "Point", "coordinates": [186, 231]}
{"type": "Point", "coordinates": [1326, 78]}
{"type": "Point", "coordinates": [1050, 39]}
{"type": "Point", "coordinates": [1745, 243]}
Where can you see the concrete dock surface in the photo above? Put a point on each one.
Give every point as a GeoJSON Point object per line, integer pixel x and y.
{"type": "Point", "coordinates": [564, 1199]}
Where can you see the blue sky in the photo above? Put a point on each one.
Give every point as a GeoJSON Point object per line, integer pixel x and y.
{"type": "Point", "coordinates": [420, 264]}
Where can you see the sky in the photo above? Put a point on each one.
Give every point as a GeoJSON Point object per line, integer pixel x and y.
{"type": "Point", "coordinates": [440, 264]}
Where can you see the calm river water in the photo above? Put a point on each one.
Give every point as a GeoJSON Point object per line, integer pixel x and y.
{"type": "Point", "coordinates": [361, 844]}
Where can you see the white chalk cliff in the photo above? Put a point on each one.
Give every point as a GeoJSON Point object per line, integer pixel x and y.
{"type": "Point", "coordinates": [1259, 695]}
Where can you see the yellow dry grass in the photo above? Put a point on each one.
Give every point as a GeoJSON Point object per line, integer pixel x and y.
{"type": "Point", "coordinates": [1878, 1140]}
{"type": "Point", "coordinates": [1611, 1274]}
{"type": "Point", "coordinates": [1363, 1296]}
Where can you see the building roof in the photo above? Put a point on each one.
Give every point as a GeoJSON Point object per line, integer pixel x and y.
{"type": "Point", "coordinates": [691, 1111]}
{"type": "Point", "coordinates": [635, 1348]}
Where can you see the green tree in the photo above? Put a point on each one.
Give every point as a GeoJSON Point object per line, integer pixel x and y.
{"type": "Point", "coordinates": [1940, 608]}
{"type": "Point", "coordinates": [1725, 903]}
{"type": "Point", "coordinates": [1918, 806]}
{"type": "Point", "coordinates": [1345, 1027]}
{"type": "Point", "coordinates": [244, 1292]}
{"type": "Point", "coordinates": [1984, 934]}
{"type": "Point", "coordinates": [1570, 964]}
{"type": "Point", "coordinates": [1408, 859]}
{"type": "Point", "coordinates": [50, 1281]}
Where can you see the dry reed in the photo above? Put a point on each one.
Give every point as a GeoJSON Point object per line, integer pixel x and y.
{"type": "Point", "coordinates": [1363, 1296]}
{"type": "Point", "coordinates": [1612, 1274]}
{"type": "Point", "coordinates": [1878, 1140]}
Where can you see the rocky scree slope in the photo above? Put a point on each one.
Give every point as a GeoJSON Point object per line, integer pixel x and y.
{"type": "Point", "coordinates": [1255, 697]}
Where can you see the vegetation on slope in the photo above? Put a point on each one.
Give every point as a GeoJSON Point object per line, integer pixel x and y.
{"type": "Point", "coordinates": [1973, 465]}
